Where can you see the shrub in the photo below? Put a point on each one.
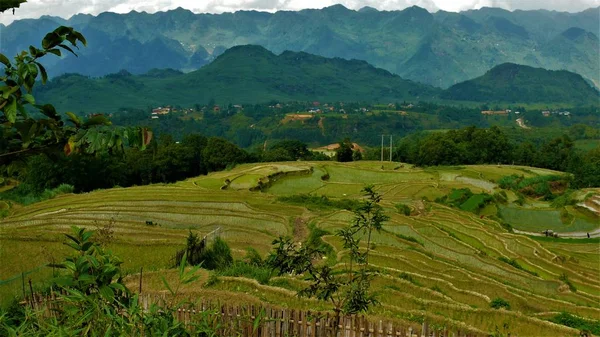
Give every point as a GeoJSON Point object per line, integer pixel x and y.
{"type": "Point", "coordinates": [241, 269]}
{"type": "Point", "coordinates": [320, 202]}
{"type": "Point", "coordinates": [217, 256]}
{"type": "Point", "coordinates": [565, 278]}
{"type": "Point", "coordinates": [498, 303]}
{"type": "Point", "coordinates": [572, 321]}
{"type": "Point", "coordinates": [253, 257]}
{"type": "Point", "coordinates": [516, 264]}
{"type": "Point", "coordinates": [403, 209]}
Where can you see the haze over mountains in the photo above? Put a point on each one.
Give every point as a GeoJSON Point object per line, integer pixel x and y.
{"type": "Point", "coordinates": [440, 49]}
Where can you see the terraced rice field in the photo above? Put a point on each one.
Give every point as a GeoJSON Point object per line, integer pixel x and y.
{"type": "Point", "coordinates": [448, 277]}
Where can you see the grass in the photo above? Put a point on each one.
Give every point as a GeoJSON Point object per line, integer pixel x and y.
{"type": "Point", "coordinates": [444, 265]}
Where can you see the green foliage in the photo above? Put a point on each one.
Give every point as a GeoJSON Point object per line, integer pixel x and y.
{"type": "Point", "coordinates": [465, 199]}
{"type": "Point", "coordinates": [537, 186]}
{"type": "Point", "coordinates": [348, 291]}
{"type": "Point", "coordinates": [320, 202]}
{"type": "Point", "coordinates": [572, 321]}
{"type": "Point", "coordinates": [25, 194]}
{"type": "Point", "coordinates": [242, 269]}
{"type": "Point", "coordinates": [565, 278]}
{"type": "Point", "coordinates": [516, 264]}
{"type": "Point", "coordinates": [344, 152]}
{"type": "Point", "coordinates": [403, 209]}
{"type": "Point", "coordinates": [95, 302]}
{"type": "Point", "coordinates": [24, 135]}
{"type": "Point", "coordinates": [500, 303]}
{"type": "Point", "coordinates": [409, 278]}
{"type": "Point", "coordinates": [408, 238]}
{"type": "Point", "coordinates": [216, 256]}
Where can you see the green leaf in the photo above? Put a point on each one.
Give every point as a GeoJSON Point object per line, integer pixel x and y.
{"type": "Point", "coordinates": [29, 98]}
{"type": "Point", "coordinates": [54, 51]}
{"type": "Point", "coordinates": [51, 40]}
{"type": "Point", "coordinates": [97, 120]}
{"type": "Point", "coordinates": [167, 285]}
{"type": "Point", "coordinates": [4, 60]}
{"type": "Point", "coordinates": [73, 118]}
{"type": "Point", "coordinates": [43, 72]}
{"type": "Point", "coordinates": [107, 293]}
{"type": "Point", "coordinates": [10, 110]}
{"type": "Point", "coordinates": [48, 110]}
{"type": "Point", "coordinates": [68, 49]}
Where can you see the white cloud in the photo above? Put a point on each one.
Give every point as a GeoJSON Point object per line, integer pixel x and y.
{"type": "Point", "coordinates": [67, 8]}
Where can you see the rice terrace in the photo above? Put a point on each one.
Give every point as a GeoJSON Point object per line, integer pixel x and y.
{"type": "Point", "coordinates": [449, 254]}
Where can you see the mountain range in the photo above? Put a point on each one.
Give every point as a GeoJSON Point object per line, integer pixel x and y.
{"type": "Point", "coordinates": [439, 49]}
{"type": "Point", "coordinates": [251, 74]}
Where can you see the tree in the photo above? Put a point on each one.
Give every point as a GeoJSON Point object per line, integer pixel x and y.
{"type": "Point", "coordinates": [348, 292]}
{"type": "Point", "coordinates": [344, 152]}
{"type": "Point", "coordinates": [219, 153]}
{"type": "Point", "coordinates": [24, 135]}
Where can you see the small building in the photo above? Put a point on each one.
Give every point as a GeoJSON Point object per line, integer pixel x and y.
{"type": "Point", "coordinates": [316, 103]}
{"type": "Point", "coordinates": [216, 108]}
{"type": "Point", "coordinates": [546, 113]}
{"type": "Point", "coordinates": [495, 112]}
{"type": "Point", "coordinates": [161, 111]}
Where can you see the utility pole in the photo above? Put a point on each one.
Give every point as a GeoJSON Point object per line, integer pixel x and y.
{"type": "Point", "coordinates": [381, 147]}
{"type": "Point", "coordinates": [390, 148]}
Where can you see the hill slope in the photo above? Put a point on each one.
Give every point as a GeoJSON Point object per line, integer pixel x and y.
{"type": "Point", "coordinates": [522, 84]}
{"type": "Point", "coordinates": [441, 265]}
{"type": "Point", "coordinates": [243, 74]}
{"type": "Point", "coordinates": [439, 48]}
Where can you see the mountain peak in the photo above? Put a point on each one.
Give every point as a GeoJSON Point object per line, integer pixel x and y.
{"type": "Point", "coordinates": [368, 9]}
{"type": "Point", "coordinates": [535, 85]}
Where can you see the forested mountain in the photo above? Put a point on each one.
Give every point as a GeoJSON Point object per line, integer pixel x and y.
{"type": "Point", "coordinates": [439, 48]}
{"type": "Point", "coordinates": [513, 83]}
{"type": "Point", "coordinates": [241, 75]}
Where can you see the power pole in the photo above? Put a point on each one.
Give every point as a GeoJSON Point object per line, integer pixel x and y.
{"type": "Point", "coordinates": [390, 148]}
{"type": "Point", "coordinates": [381, 147]}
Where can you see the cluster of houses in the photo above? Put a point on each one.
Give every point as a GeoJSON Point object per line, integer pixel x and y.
{"type": "Point", "coordinates": [498, 112]}
{"type": "Point", "coordinates": [547, 113]}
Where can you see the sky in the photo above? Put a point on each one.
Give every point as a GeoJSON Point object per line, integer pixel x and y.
{"type": "Point", "coordinates": [68, 8]}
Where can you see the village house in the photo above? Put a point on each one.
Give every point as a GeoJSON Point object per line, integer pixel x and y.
{"type": "Point", "coordinates": [495, 112]}
{"type": "Point", "coordinates": [161, 111]}
{"type": "Point", "coordinates": [546, 113]}
{"type": "Point", "coordinates": [216, 108]}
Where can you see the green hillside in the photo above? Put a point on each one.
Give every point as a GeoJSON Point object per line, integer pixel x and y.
{"type": "Point", "coordinates": [515, 83]}
{"type": "Point", "coordinates": [439, 49]}
{"type": "Point", "coordinates": [439, 264]}
{"type": "Point", "coordinates": [243, 74]}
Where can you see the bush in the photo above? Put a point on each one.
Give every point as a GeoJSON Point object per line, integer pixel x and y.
{"type": "Point", "coordinates": [217, 256]}
{"type": "Point", "coordinates": [403, 209]}
{"type": "Point", "coordinates": [253, 257]}
{"type": "Point", "coordinates": [516, 264]}
{"type": "Point", "coordinates": [320, 202]}
{"type": "Point", "coordinates": [565, 278]}
{"type": "Point", "coordinates": [241, 269]}
{"type": "Point", "coordinates": [572, 321]}
{"type": "Point", "coordinates": [499, 303]}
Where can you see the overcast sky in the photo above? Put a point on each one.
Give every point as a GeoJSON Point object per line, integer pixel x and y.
{"type": "Point", "coordinates": [67, 8]}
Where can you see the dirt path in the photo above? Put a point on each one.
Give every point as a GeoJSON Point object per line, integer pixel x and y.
{"type": "Point", "coordinates": [521, 123]}
{"type": "Point", "coordinates": [573, 235]}
{"type": "Point", "coordinates": [301, 228]}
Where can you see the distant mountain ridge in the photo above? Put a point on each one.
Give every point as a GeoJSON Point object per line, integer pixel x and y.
{"type": "Point", "coordinates": [439, 49]}
{"type": "Point", "coordinates": [241, 75]}
{"type": "Point", "coordinates": [515, 83]}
